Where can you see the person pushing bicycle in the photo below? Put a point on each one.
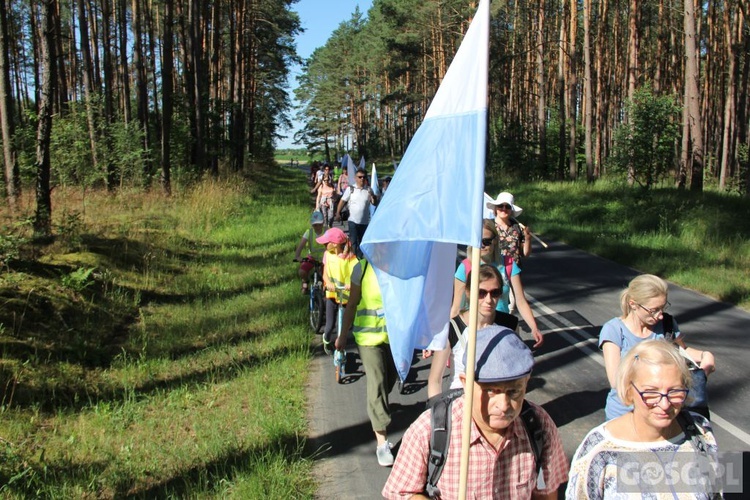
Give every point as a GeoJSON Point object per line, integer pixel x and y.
{"type": "Point", "coordinates": [337, 272]}
{"type": "Point", "coordinates": [315, 251]}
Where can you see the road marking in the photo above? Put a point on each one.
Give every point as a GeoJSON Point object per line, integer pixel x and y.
{"type": "Point", "coordinates": [586, 347]}
{"type": "Point", "coordinates": [580, 344]}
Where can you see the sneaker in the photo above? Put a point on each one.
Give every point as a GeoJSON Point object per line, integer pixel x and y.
{"type": "Point", "coordinates": [304, 288]}
{"type": "Point", "coordinates": [385, 457]}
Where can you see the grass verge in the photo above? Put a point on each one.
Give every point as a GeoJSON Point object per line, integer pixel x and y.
{"type": "Point", "coordinates": [697, 240]}
{"type": "Point", "coordinates": [158, 348]}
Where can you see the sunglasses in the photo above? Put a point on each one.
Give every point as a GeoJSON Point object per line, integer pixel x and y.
{"type": "Point", "coordinates": [504, 206]}
{"type": "Point", "coordinates": [360, 176]}
{"type": "Point", "coordinates": [495, 293]}
{"type": "Point", "coordinates": [487, 241]}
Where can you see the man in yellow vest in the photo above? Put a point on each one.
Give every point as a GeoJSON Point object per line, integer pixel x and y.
{"type": "Point", "coordinates": [365, 312]}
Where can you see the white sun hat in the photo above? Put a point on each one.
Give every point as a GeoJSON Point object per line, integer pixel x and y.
{"type": "Point", "coordinates": [505, 197]}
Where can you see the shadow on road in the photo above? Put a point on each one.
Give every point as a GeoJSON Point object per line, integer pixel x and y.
{"type": "Point", "coordinates": [573, 406]}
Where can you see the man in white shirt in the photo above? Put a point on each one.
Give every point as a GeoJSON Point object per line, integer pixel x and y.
{"type": "Point", "coordinates": [359, 197]}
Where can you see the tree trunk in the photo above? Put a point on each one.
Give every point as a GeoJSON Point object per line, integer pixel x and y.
{"type": "Point", "coordinates": [587, 97]}
{"type": "Point", "coordinates": [692, 98]}
{"type": "Point", "coordinates": [109, 89]}
{"type": "Point", "coordinates": [730, 111]}
{"type": "Point", "coordinates": [632, 66]}
{"type": "Point", "coordinates": [542, 101]}
{"type": "Point", "coordinates": [167, 63]}
{"type": "Point", "coordinates": [43, 215]}
{"type": "Point", "coordinates": [141, 86]}
{"type": "Point", "coordinates": [10, 156]}
{"type": "Point", "coordinates": [562, 102]}
{"type": "Point", "coordinates": [88, 81]}
{"type": "Point", "coordinates": [573, 92]}
{"type": "Point", "coordinates": [61, 95]}
{"type": "Point", "coordinates": [124, 72]}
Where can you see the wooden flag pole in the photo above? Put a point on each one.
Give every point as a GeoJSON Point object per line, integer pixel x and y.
{"type": "Point", "coordinates": [471, 346]}
{"type": "Point", "coordinates": [537, 238]}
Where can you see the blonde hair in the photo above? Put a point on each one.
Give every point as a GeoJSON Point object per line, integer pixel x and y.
{"type": "Point", "coordinates": [642, 289]}
{"type": "Point", "coordinates": [650, 352]}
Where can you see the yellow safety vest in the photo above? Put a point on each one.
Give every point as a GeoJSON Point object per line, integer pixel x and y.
{"type": "Point", "coordinates": [339, 273]}
{"type": "Point", "coordinates": [369, 324]}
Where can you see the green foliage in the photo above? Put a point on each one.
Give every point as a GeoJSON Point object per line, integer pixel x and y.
{"type": "Point", "coordinates": [70, 229]}
{"type": "Point", "coordinates": [645, 144]}
{"type": "Point", "coordinates": [78, 280]}
{"type": "Point", "coordinates": [178, 370]}
{"type": "Point", "coordinates": [70, 148]}
{"type": "Point", "coordinates": [10, 247]}
{"type": "Point", "coordinates": [694, 239]}
{"type": "Point", "coordinates": [127, 155]}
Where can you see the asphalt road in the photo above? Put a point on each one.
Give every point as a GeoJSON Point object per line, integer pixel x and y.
{"type": "Point", "coordinates": [573, 294]}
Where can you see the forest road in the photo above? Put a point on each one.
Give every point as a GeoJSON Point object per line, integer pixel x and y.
{"type": "Point", "coordinates": [573, 294]}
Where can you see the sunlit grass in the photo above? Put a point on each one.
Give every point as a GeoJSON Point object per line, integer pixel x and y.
{"type": "Point", "coordinates": [191, 348]}
{"type": "Point", "coordinates": [698, 240]}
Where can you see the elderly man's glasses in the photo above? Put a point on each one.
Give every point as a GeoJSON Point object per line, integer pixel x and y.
{"type": "Point", "coordinates": [656, 311]}
{"type": "Point", "coordinates": [652, 398]}
{"type": "Point", "coordinates": [494, 293]}
{"type": "Point", "coordinates": [487, 241]}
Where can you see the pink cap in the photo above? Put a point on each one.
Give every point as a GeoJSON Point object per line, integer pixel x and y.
{"type": "Point", "coordinates": [333, 235]}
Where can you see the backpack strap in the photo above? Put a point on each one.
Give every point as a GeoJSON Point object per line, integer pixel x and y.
{"type": "Point", "coordinates": [668, 326]}
{"type": "Point", "coordinates": [440, 436]}
{"type": "Point", "coordinates": [440, 421]}
{"type": "Point", "coordinates": [690, 428]}
{"type": "Point", "coordinates": [459, 333]}
{"type": "Point", "coordinates": [534, 430]}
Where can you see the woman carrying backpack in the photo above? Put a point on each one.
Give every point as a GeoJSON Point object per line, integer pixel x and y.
{"type": "Point", "coordinates": [643, 304]}
{"type": "Point", "coordinates": [656, 450]}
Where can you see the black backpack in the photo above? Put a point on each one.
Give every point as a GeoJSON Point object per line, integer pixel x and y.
{"type": "Point", "coordinates": [441, 434]}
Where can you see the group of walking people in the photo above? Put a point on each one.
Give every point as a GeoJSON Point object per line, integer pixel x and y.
{"type": "Point", "coordinates": [648, 368]}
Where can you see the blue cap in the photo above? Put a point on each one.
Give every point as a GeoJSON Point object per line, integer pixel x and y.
{"type": "Point", "coordinates": [501, 355]}
{"type": "Point", "coordinates": [316, 217]}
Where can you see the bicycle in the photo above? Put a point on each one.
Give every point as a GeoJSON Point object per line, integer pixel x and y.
{"type": "Point", "coordinates": [316, 295]}
{"type": "Point", "coordinates": [339, 357]}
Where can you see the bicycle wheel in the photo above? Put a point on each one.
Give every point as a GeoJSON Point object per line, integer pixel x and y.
{"type": "Point", "coordinates": [317, 310]}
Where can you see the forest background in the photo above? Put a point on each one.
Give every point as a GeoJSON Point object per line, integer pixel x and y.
{"type": "Point", "coordinates": [113, 93]}
{"type": "Point", "coordinates": [157, 291]}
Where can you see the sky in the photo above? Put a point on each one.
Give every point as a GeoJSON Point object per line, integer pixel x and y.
{"type": "Point", "coordinates": [319, 18]}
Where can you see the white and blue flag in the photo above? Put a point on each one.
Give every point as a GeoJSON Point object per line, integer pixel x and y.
{"type": "Point", "coordinates": [375, 186]}
{"type": "Point", "coordinates": [435, 202]}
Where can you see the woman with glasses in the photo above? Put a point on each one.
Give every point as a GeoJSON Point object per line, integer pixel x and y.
{"type": "Point", "coordinates": [490, 293]}
{"type": "Point", "coordinates": [511, 281]}
{"type": "Point", "coordinates": [514, 239]}
{"type": "Point", "coordinates": [643, 304]}
{"type": "Point", "coordinates": [657, 450]}
{"type": "Point", "coordinates": [490, 255]}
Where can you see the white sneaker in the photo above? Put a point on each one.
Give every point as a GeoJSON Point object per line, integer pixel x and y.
{"type": "Point", "coordinates": [385, 457]}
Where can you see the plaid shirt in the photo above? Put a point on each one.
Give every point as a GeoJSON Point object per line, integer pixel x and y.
{"type": "Point", "coordinates": [508, 473]}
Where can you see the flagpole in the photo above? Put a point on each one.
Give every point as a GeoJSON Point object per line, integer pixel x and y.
{"type": "Point", "coordinates": [471, 354]}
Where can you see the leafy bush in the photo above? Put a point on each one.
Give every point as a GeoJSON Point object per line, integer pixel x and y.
{"type": "Point", "coordinates": [644, 145]}
{"type": "Point", "coordinates": [79, 280]}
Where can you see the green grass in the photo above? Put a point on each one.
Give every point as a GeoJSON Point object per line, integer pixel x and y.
{"type": "Point", "coordinates": [159, 347]}
{"type": "Point", "coordinates": [176, 367]}
{"type": "Point", "coordinates": [698, 240]}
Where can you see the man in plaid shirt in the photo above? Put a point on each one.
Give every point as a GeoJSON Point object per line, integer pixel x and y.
{"type": "Point", "coordinates": [501, 459]}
